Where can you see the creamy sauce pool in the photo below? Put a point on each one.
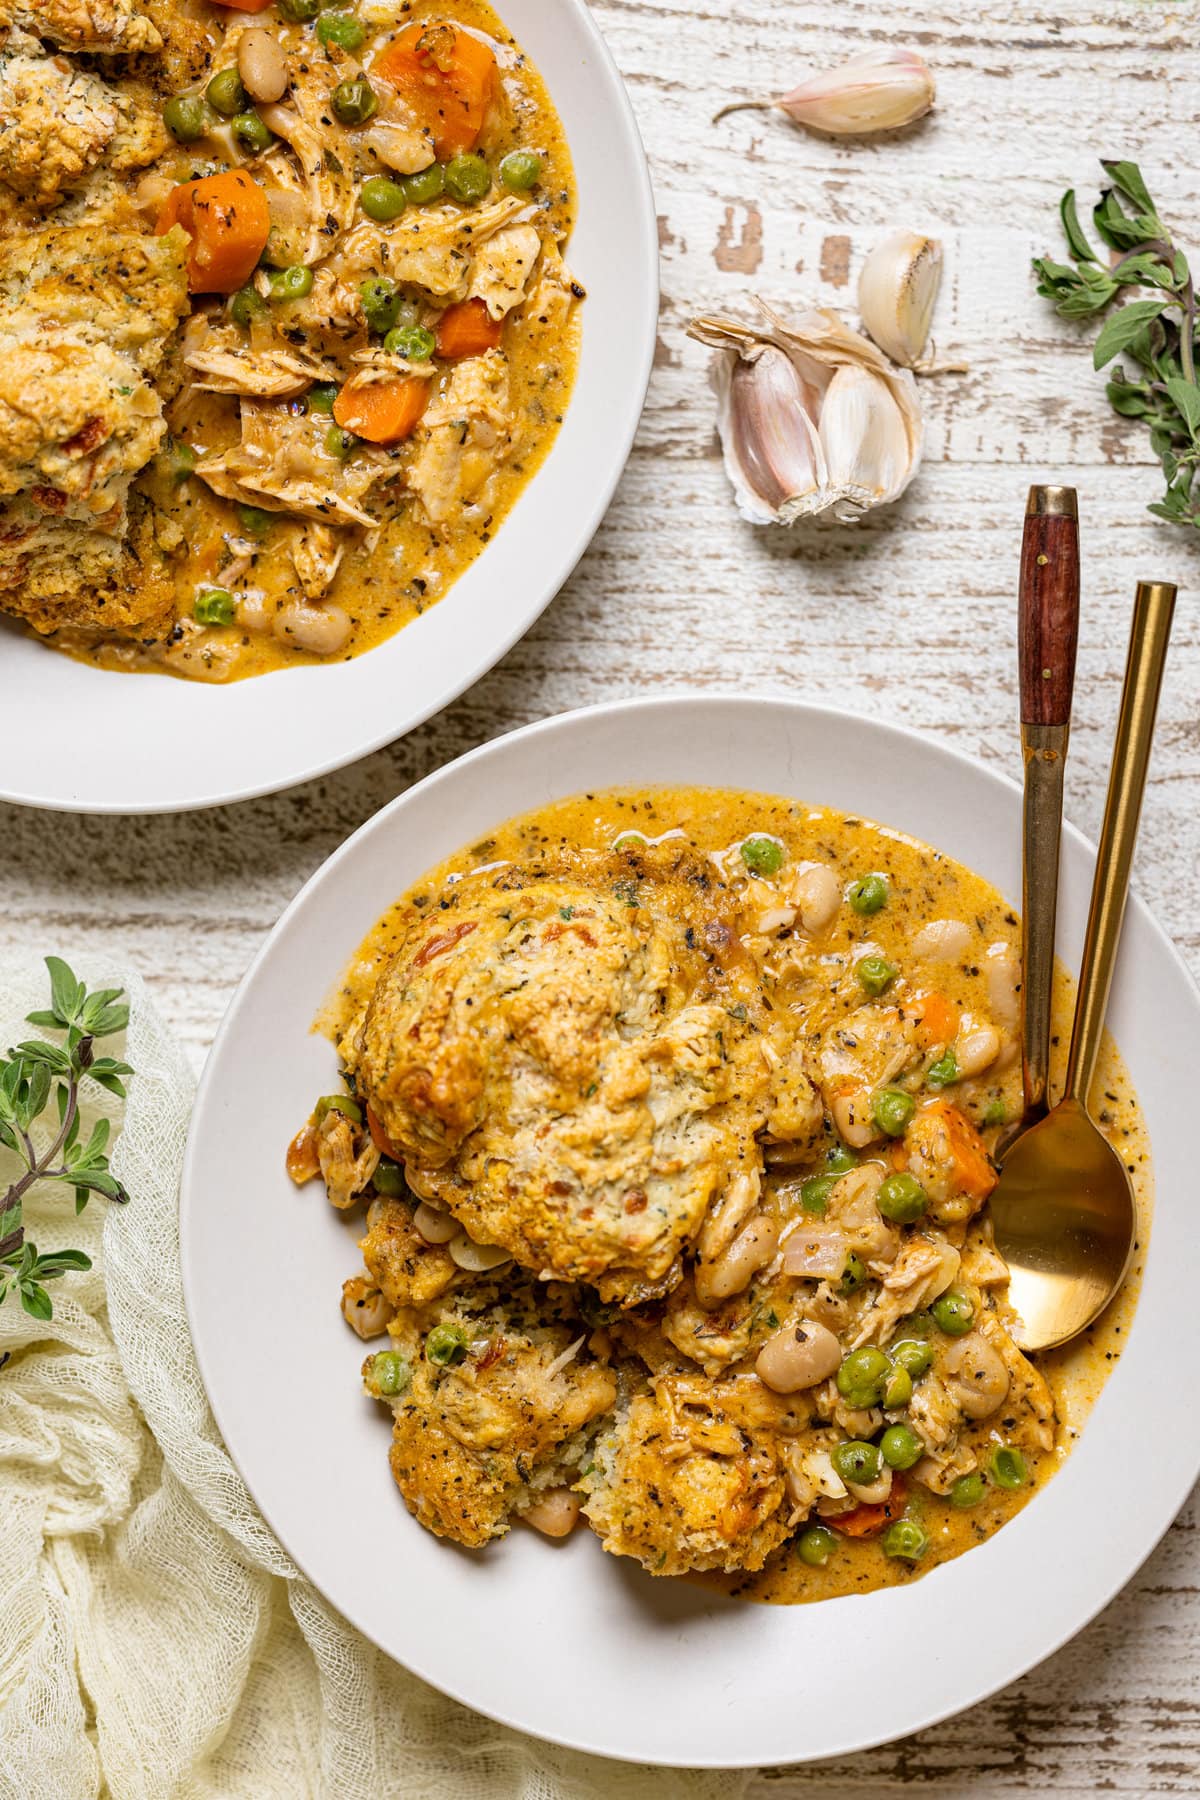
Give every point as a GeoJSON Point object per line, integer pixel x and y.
{"type": "Point", "coordinates": [924, 885]}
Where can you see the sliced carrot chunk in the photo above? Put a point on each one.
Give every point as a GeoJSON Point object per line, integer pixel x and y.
{"type": "Point", "coordinates": [939, 1018]}
{"type": "Point", "coordinates": [865, 1520]}
{"type": "Point", "coordinates": [467, 329]}
{"type": "Point", "coordinates": [447, 77]}
{"type": "Point", "coordinates": [973, 1171]}
{"type": "Point", "coordinates": [382, 412]}
{"type": "Point", "coordinates": [380, 1138]}
{"type": "Point", "coordinates": [227, 218]}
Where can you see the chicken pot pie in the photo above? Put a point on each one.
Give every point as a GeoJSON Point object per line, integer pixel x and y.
{"type": "Point", "coordinates": [286, 322]}
{"type": "Point", "coordinates": [671, 1115]}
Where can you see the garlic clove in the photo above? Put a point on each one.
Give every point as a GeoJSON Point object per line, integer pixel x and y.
{"type": "Point", "coordinates": [878, 91]}
{"type": "Point", "coordinates": [772, 450]}
{"type": "Point", "coordinates": [765, 457]}
{"type": "Point", "coordinates": [865, 441]}
{"type": "Point", "coordinates": [896, 293]}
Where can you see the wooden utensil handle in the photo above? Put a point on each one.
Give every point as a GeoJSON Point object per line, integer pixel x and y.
{"type": "Point", "coordinates": [1048, 616]}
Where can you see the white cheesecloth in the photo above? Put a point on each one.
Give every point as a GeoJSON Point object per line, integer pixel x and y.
{"type": "Point", "coordinates": [156, 1642]}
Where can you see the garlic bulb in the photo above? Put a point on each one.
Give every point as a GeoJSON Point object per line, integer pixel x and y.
{"type": "Point", "coordinates": [896, 293]}
{"type": "Point", "coordinates": [813, 418]}
{"type": "Point", "coordinates": [878, 90]}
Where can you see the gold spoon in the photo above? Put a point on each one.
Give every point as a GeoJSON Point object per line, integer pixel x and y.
{"type": "Point", "coordinates": [1064, 1212]}
{"type": "Point", "coordinates": [1047, 634]}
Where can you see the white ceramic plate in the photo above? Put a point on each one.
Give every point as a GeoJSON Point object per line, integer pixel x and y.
{"type": "Point", "coordinates": [566, 1642]}
{"type": "Point", "coordinates": [172, 744]}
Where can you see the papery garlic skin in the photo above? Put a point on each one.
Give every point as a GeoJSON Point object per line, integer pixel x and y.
{"type": "Point", "coordinates": [838, 435]}
{"type": "Point", "coordinates": [897, 291]}
{"type": "Point", "coordinates": [880, 90]}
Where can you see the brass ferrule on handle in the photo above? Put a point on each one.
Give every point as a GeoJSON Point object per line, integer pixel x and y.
{"type": "Point", "coordinates": [1148, 640]}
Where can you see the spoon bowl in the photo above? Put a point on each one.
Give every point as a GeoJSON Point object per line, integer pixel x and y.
{"type": "Point", "coordinates": [1065, 1221]}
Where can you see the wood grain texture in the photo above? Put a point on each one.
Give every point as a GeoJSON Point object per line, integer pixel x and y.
{"type": "Point", "coordinates": [1048, 618]}
{"type": "Point", "coordinates": [910, 616]}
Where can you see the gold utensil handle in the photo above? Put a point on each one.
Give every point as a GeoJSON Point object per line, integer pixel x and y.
{"type": "Point", "coordinates": [1148, 641]}
{"type": "Point", "coordinates": [1047, 633]}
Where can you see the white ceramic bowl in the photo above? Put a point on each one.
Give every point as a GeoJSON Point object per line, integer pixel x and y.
{"type": "Point", "coordinates": [172, 744]}
{"type": "Point", "coordinates": [566, 1642]}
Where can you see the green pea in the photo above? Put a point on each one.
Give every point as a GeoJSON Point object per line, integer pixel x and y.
{"type": "Point", "coordinates": [762, 855]}
{"type": "Point", "coordinates": [901, 1198]}
{"type": "Point", "coordinates": [875, 974]}
{"type": "Point", "coordinates": [215, 606]}
{"type": "Point", "coordinates": [942, 1072]}
{"type": "Point", "coordinates": [299, 12]}
{"type": "Point", "coordinates": [247, 304]}
{"type": "Point", "coordinates": [426, 184]}
{"type": "Point", "coordinates": [446, 1345]}
{"type": "Point", "coordinates": [182, 459]}
{"type": "Point", "coordinates": [891, 1109]}
{"type": "Point", "coordinates": [389, 1179]}
{"type": "Point", "coordinates": [862, 1375]}
{"type": "Point", "coordinates": [251, 133]}
{"type": "Point", "coordinates": [912, 1356]}
{"type": "Point", "coordinates": [322, 396]}
{"type": "Point", "coordinates": [412, 342]}
{"type": "Point", "coordinates": [905, 1540]}
{"type": "Point", "coordinates": [897, 1389]}
{"type": "Point", "coordinates": [521, 170]}
{"type": "Point", "coordinates": [1008, 1467]}
{"type": "Point", "coordinates": [382, 199]}
{"type": "Point", "coordinates": [967, 1491]}
{"type": "Point", "coordinates": [391, 1373]}
{"type": "Point", "coordinates": [380, 302]}
{"type": "Point", "coordinates": [839, 1160]}
{"type": "Point", "coordinates": [342, 29]}
{"type": "Point", "coordinates": [187, 117]}
{"type": "Point", "coordinates": [900, 1447]}
{"type": "Point", "coordinates": [254, 520]}
{"type": "Point", "coordinates": [868, 894]}
{"type": "Point", "coordinates": [293, 283]}
{"type": "Point", "coordinates": [853, 1276]}
{"type": "Point", "coordinates": [953, 1312]}
{"type": "Point", "coordinates": [857, 1462]}
{"type": "Point", "coordinates": [815, 1546]}
{"type": "Point", "coordinates": [339, 1103]}
{"type": "Point", "coordinates": [225, 93]}
{"type": "Point", "coordinates": [354, 102]}
{"type": "Point", "coordinates": [814, 1193]}
{"type": "Point", "coordinates": [340, 443]}
{"type": "Point", "coordinates": [468, 179]}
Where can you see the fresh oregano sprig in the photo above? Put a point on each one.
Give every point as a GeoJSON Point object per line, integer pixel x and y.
{"type": "Point", "coordinates": [39, 1078]}
{"type": "Point", "coordinates": [1157, 334]}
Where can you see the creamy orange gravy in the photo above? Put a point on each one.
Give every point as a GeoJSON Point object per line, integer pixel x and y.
{"type": "Point", "coordinates": [924, 885]}
{"type": "Point", "coordinates": [400, 570]}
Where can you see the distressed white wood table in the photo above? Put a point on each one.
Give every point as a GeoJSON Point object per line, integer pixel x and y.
{"type": "Point", "coordinates": [910, 617]}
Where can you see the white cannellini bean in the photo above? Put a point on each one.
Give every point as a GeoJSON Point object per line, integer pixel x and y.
{"type": "Point", "coordinates": [1003, 980]}
{"type": "Point", "coordinates": [975, 1051]}
{"type": "Point", "coordinates": [942, 940]}
{"type": "Point", "coordinates": [749, 1252]}
{"type": "Point", "coordinates": [262, 65]}
{"type": "Point", "coordinates": [852, 1116]}
{"type": "Point", "coordinates": [776, 918]}
{"type": "Point", "coordinates": [254, 611]}
{"type": "Point", "coordinates": [364, 1308]}
{"type": "Point", "coordinates": [817, 893]}
{"type": "Point", "coordinates": [477, 1259]}
{"type": "Point", "coordinates": [976, 1375]}
{"type": "Point", "coordinates": [798, 1356]}
{"type": "Point", "coordinates": [434, 1225]}
{"type": "Point", "coordinates": [555, 1513]}
{"type": "Point", "coordinates": [321, 629]}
